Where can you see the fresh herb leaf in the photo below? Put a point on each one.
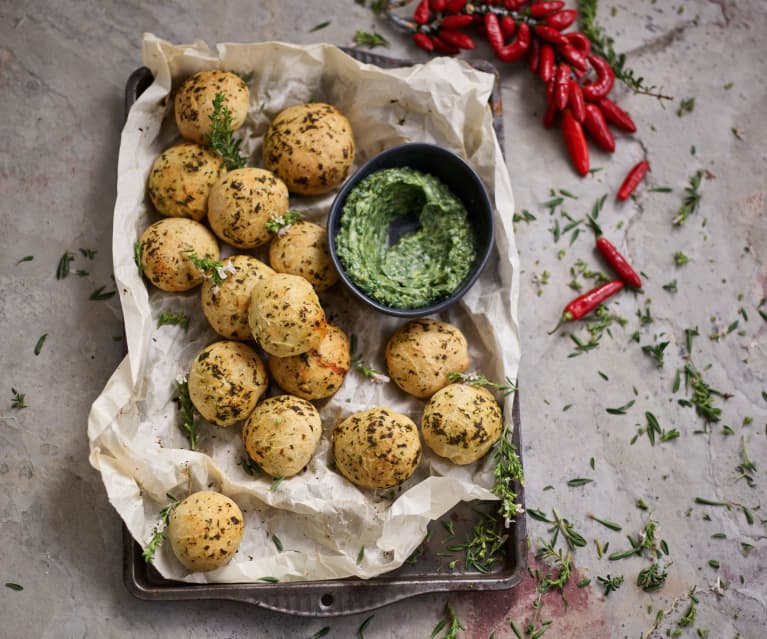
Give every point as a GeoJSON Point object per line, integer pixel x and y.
{"type": "Point", "coordinates": [370, 373]}
{"type": "Point", "coordinates": [652, 578]}
{"type": "Point", "coordinates": [100, 294]}
{"type": "Point", "coordinates": [277, 542]}
{"type": "Point", "coordinates": [138, 247]}
{"type": "Point", "coordinates": [609, 524]}
{"type": "Point", "coordinates": [40, 342]}
{"type": "Point", "coordinates": [62, 270]}
{"type": "Point", "coordinates": [26, 258]}
{"type": "Point", "coordinates": [161, 529]}
{"type": "Point", "coordinates": [13, 586]}
{"type": "Point", "coordinates": [188, 421]}
{"type": "Point", "coordinates": [686, 105]}
{"type": "Point", "coordinates": [318, 27]}
{"type": "Point", "coordinates": [276, 224]}
{"type": "Point", "coordinates": [210, 269]}
{"type": "Point", "coordinates": [656, 352]}
{"type": "Point", "coordinates": [621, 410]}
{"type": "Point", "coordinates": [269, 580]}
{"type": "Point", "coordinates": [611, 584]}
{"type": "Point", "coordinates": [169, 318]}
{"type": "Point", "coordinates": [579, 481]}
{"type": "Point", "coordinates": [363, 626]}
{"type": "Point", "coordinates": [449, 623]}
{"type": "Point", "coordinates": [691, 200]}
{"type": "Point", "coordinates": [89, 253]}
{"type": "Point", "coordinates": [480, 380]}
{"type": "Point", "coordinates": [18, 399]}
{"type": "Point", "coordinates": [361, 555]}
{"type": "Point", "coordinates": [372, 40]}
{"type": "Point", "coordinates": [670, 287]}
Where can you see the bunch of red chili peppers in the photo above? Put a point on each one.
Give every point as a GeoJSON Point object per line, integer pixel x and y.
{"type": "Point", "coordinates": [577, 81]}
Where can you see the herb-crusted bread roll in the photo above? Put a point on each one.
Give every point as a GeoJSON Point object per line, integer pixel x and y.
{"type": "Point", "coordinates": [302, 249]}
{"type": "Point", "coordinates": [166, 247]}
{"type": "Point", "coordinates": [285, 315]}
{"type": "Point", "coordinates": [318, 373]}
{"type": "Point", "coordinates": [181, 178]}
{"type": "Point", "coordinates": [282, 434]}
{"type": "Point", "coordinates": [242, 202]}
{"type": "Point", "coordinates": [310, 146]}
{"type": "Point", "coordinates": [226, 305]}
{"type": "Point", "coordinates": [461, 422]}
{"type": "Point", "coordinates": [205, 530]}
{"type": "Point", "coordinates": [376, 448]}
{"type": "Point", "coordinates": [422, 353]}
{"type": "Point", "coordinates": [194, 102]}
{"type": "Point", "coordinates": [226, 381]}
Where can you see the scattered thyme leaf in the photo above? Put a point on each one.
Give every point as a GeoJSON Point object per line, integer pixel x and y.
{"type": "Point", "coordinates": [621, 410]}
{"type": "Point", "coordinates": [361, 555]}
{"type": "Point", "coordinates": [611, 584]}
{"type": "Point", "coordinates": [320, 26]}
{"type": "Point", "coordinates": [40, 342]}
{"type": "Point", "coordinates": [62, 270]}
{"type": "Point", "coordinates": [18, 399]}
{"type": "Point", "coordinates": [579, 481]}
{"type": "Point", "coordinates": [370, 373]}
{"type": "Point", "coordinates": [269, 580]}
{"type": "Point", "coordinates": [363, 626]}
{"type": "Point", "coordinates": [656, 351]}
{"type": "Point", "coordinates": [652, 578]}
{"type": "Point", "coordinates": [14, 586]}
{"type": "Point", "coordinates": [89, 253]}
{"type": "Point", "coordinates": [608, 524]}
{"type": "Point", "coordinates": [671, 287]}
{"type": "Point", "coordinates": [691, 200]}
{"type": "Point", "coordinates": [26, 258]}
{"type": "Point", "coordinates": [686, 105]}
{"type": "Point", "coordinates": [449, 623]}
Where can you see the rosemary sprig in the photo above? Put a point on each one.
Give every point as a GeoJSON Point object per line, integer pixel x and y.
{"type": "Point", "coordinates": [449, 624]}
{"type": "Point", "coordinates": [480, 380]}
{"type": "Point", "coordinates": [18, 399]}
{"type": "Point", "coordinates": [160, 530]}
{"type": "Point", "coordinates": [485, 545]}
{"type": "Point", "coordinates": [691, 199]}
{"type": "Point", "coordinates": [276, 224]}
{"type": "Point", "coordinates": [572, 537]}
{"type": "Point", "coordinates": [220, 137]}
{"type": "Point", "coordinates": [188, 422]}
{"type": "Point", "coordinates": [211, 269]}
{"type": "Point", "coordinates": [602, 45]}
{"type": "Point", "coordinates": [40, 342]}
{"type": "Point", "coordinates": [169, 318]}
{"type": "Point", "coordinates": [656, 351]}
{"type": "Point", "coordinates": [702, 398]}
{"type": "Point", "coordinates": [508, 469]}
{"type": "Point", "coordinates": [746, 468]}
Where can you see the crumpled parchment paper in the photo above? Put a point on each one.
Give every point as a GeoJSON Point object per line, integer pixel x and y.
{"type": "Point", "coordinates": [321, 519]}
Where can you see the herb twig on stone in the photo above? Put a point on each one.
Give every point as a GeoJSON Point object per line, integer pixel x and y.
{"type": "Point", "coordinates": [449, 624]}
{"type": "Point", "coordinates": [18, 400]}
{"type": "Point", "coordinates": [691, 199]}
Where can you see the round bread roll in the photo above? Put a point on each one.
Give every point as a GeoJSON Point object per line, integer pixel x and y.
{"type": "Point", "coordinates": [376, 448]}
{"type": "Point", "coordinates": [310, 146]}
{"type": "Point", "coordinates": [302, 249]}
{"type": "Point", "coordinates": [421, 355]}
{"type": "Point", "coordinates": [226, 381]}
{"type": "Point", "coordinates": [181, 179]}
{"type": "Point", "coordinates": [205, 530]}
{"type": "Point", "coordinates": [194, 102]}
{"type": "Point", "coordinates": [461, 422]}
{"type": "Point", "coordinates": [318, 373]}
{"type": "Point", "coordinates": [285, 315]}
{"type": "Point", "coordinates": [282, 434]}
{"type": "Point", "coordinates": [242, 202]}
{"type": "Point", "coordinates": [226, 305]}
{"type": "Point", "coordinates": [165, 250]}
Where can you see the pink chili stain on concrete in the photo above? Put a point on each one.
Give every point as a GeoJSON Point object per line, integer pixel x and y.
{"type": "Point", "coordinates": [491, 611]}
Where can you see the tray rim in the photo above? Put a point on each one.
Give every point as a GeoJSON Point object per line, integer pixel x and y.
{"type": "Point", "coordinates": [318, 598]}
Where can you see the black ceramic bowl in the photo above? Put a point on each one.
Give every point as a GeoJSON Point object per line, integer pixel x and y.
{"type": "Point", "coordinates": [463, 182]}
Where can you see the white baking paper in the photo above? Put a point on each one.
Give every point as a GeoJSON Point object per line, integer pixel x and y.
{"type": "Point", "coordinates": [321, 519]}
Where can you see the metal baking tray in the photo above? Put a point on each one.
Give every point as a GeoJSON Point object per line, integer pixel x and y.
{"type": "Point", "coordinates": [432, 568]}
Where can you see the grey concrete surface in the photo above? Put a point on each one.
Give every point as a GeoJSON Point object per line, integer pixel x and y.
{"type": "Point", "coordinates": [63, 66]}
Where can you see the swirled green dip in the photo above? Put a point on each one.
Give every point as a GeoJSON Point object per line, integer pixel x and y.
{"type": "Point", "coordinates": [421, 267]}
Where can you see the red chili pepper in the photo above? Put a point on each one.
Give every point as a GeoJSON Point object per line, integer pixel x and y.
{"type": "Point", "coordinates": [633, 178]}
{"type": "Point", "coordinates": [618, 262]}
{"type": "Point", "coordinates": [534, 55]}
{"type": "Point", "coordinates": [575, 101]}
{"type": "Point", "coordinates": [575, 141]}
{"type": "Point", "coordinates": [596, 125]}
{"type": "Point", "coordinates": [443, 47]}
{"type": "Point", "coordinates": [456, 38]}
{"type": "Point", "coordinates": [423, 41]}
{"type": "Point", "coordinates": [617, 116]}
{"type": "Point", "coordinates": [580, 41]}
{"type": "Point", "coordinates": [562, 19]}
{"type": "Point", "coordinates": [550, 91]}
{"type": "Point", "coordinates": [573, 56]}
{"type": "Point", "coordinates": [546, 65]}
{"type": "Point", "coordinates": [437, 6]}
{"type": "Point", "coordinates": [604, 82]}
{"type": "Point", "coordinates": [514, 4]}
{"type": "Point", "coordinates": [561, 86]}
{"type": "Point", "coordinates": [493, 31]}
{"type": "Point", "coordinates": [456, 22]}
{"type": "Point", "coordinates": [508, 26]}
{"type": "Point", "coordinates": [454, 6]}
{"type": "Point", "coordinates": [550, 35]}
{"type": "Point", "coordinates": [542, 9]}
{"type": "Point", "coordinates": [550, 116]}
{"type": "Point", "coordinates": [514, 51]}
{"type": "Point", "coordinates": [422, 12]}
{"type": "Point", "coordinates": [584, 304]}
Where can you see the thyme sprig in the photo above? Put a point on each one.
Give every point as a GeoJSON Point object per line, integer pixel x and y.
{"type": "Point", "coordinates": [485, 545]}
{"type": "Point", "coordinates": [160, 530]}
{"type": "Point", "coordinates": [572, 537]}
{"type": "Point", "coordinates": [602, 45]}
{"type": "Point", "coordinates": [277, 224]}
{"type": "Point", "coordinates": [508, 469]}
{"type": "Point", "coordinates": [746, 468]}
{"type": "Point", "coordinates": [220, 136]}
{"type": "Point", "coordinates": [691, 200]}
{"type": "Point", "coordinates": [18, 400]}
{"type": "Point", "coordinates": [652, 578]}
{"type": "Point", "coordinates": [370, 373]}
{"type": "Point", "coordinates": [656, 351]}
{"type": "Point", "coordinates": [702, 398]}
{"type": "Point", "coordinates": [611, 584]}
{"type": "Point", "coordinates": [188, 421]}
{"type": "Point", "coordinates": [475, 379]}
{"type": "Point", "coordinates": [211, 269]}
{"type": "Point", "coordinates": [449, 624]}
{"type": "Point", "coordinates": [371, 40]}
{"type": "Point", "coordinates": [169, 318]}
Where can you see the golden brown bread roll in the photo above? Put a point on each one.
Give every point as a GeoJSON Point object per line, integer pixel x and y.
{"type": "Point", "coordinates": [302, 249]}
{"type": "Point", "coordinates": [376, 448]}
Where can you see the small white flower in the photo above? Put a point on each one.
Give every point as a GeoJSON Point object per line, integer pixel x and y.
{"type": "Point", "coordinates": [181, 377]}
{"type": "Point", "coordinates": [283, 230]}
{"type": "Point", "coordinates": [718, 587]}
{"type": "Point", "coordinates": [221, 272]}
{"type": "Point", "coordinates": [214, 289]}
{"type": "Point", "coordinates": [229, 267]}
{"type": "Point", "coordinates": [379, 378]}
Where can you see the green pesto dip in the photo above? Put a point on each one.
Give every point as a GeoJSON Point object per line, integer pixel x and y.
{"type": "Point", "coordinates": [421, 267]}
